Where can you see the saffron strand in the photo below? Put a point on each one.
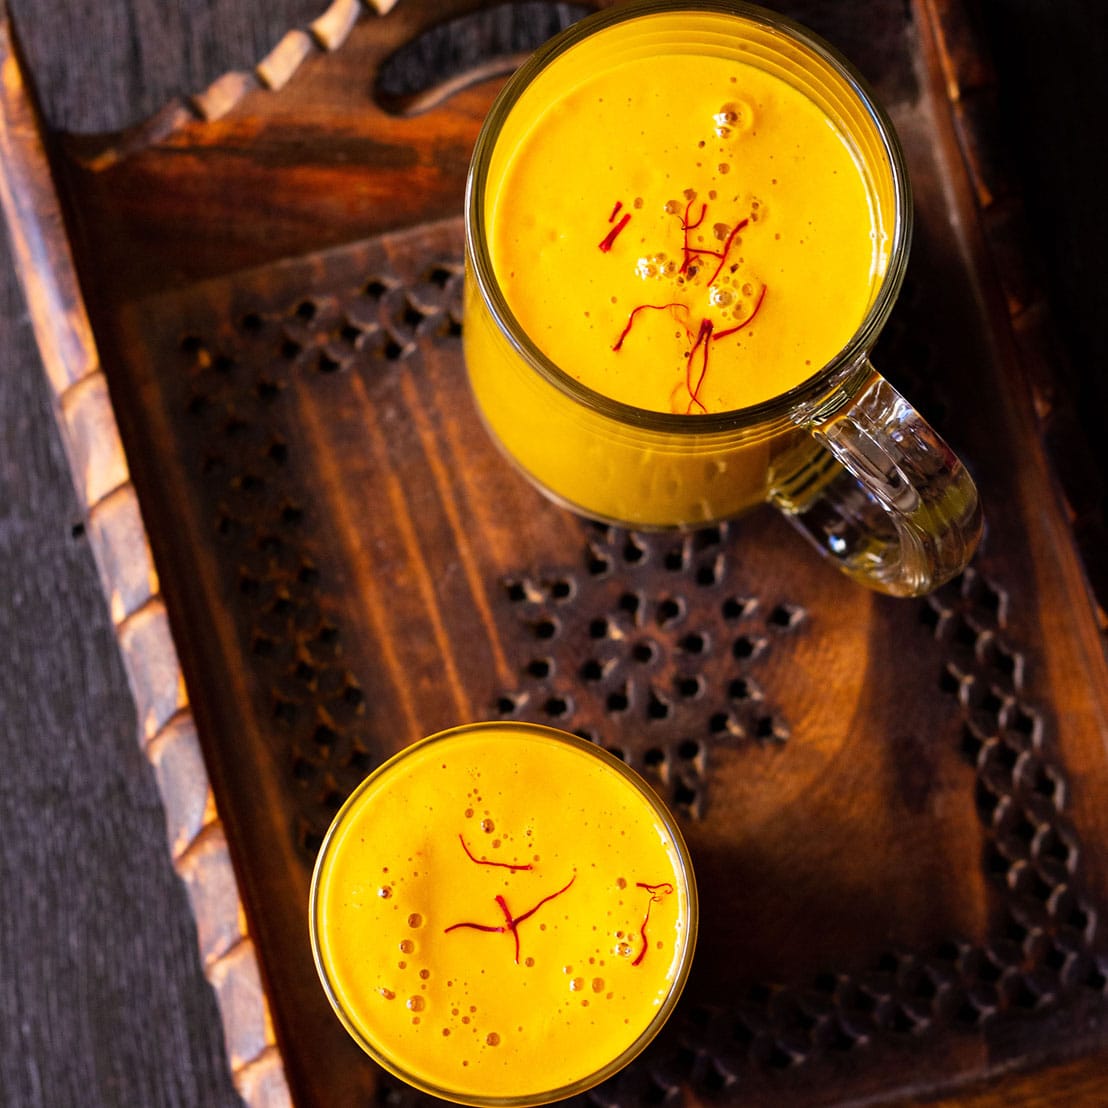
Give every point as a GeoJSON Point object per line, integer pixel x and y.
{"type": "Point", "coordinates": [726, 249]}
{"type": "Point", "coordinates": [642, 307]}
{"type": "Point", "coordinates": [703, 336]}
{"type": "Point", "coordinates": [656, 894]}
{"type": "Point", "coordinates": [474, 927]}
{"type": "Point", "coordinates": [697, 358]}
{"type": "Point", "coordinates": [686, 227]}
{"type": "Point", "coordinates": [545, 900]}
{"type": "Point", "coordinates": [488, 862]}
{"type": "Point", "coordinates": [606, 243]}
{"type": "Point", "coordinates": [511, 923]}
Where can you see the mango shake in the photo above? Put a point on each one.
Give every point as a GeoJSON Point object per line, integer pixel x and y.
{"type": "Point", "coordinates": [674, 223]}
{"type": "Point", "coordinates": [704, 243]}
{"type": "Point", "coordinates": [503, 913]}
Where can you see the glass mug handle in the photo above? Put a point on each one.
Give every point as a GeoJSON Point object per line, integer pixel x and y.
{"type": "Point", "coordinates": [899, 513]}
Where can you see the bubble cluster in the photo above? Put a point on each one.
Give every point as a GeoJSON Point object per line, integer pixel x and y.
{"type": "Point", "coordinates": [732, 117]}
{"type": "Point", "coordinates": [725, 119]}
{"type": "Point", "coordinates": [656, 265]}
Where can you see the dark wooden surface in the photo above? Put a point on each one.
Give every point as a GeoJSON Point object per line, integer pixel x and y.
{"type": "Point", "coordinates": [103, 1002]}
{"type": "Point", "coordinates": [102, 999]}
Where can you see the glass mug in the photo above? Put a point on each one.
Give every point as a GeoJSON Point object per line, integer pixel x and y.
{"type": "Point", "coordinates": [503, 914]}
{"type": "Point", "coordinates": [846, 458]}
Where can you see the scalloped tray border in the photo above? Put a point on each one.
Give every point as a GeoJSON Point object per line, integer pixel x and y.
{"type": "Point", "coordinates": [324, 34]}
{"type": "Point", "coordinates": [117, 534]}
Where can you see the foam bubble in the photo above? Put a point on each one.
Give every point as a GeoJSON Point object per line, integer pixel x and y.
{"type": "Point", "coordinates": [732, 117]}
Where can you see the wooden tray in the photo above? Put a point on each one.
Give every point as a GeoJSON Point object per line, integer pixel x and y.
{"type": "Point", "coordinates": [895, 808]}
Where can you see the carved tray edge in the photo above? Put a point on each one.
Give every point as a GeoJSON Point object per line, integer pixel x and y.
{"type": "Point", "coordinates": [324, 34]}
{"type": "Point", "coordinates": [117, 535]}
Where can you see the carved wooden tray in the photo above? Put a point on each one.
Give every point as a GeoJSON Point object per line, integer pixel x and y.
{"type": "Point", "coordinates": [895, 808]}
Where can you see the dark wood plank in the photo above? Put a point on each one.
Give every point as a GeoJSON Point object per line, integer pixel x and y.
{"type": "Point", "coordinates": [102, 998]}
{"type": "Point", "coordinates": [1051, 64]}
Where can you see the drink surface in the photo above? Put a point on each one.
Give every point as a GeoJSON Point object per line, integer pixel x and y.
{"type": "Point", "coordinates": [682, 231]}
{"type": "Point", "coordinates": [501, 913]}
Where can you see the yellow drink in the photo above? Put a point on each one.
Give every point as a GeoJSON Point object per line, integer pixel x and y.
{"type": "Point", "coordinates": [503, 914]}
{"type": "Point", "coordinates": [685, 233]}
{"type": "Point", "coordinates": [680, 226]}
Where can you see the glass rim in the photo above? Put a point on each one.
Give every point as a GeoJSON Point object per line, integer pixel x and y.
{"type": "Point", "coordinates": [684, 861]}
{"type": "Point", "coordinates": [801, 396]}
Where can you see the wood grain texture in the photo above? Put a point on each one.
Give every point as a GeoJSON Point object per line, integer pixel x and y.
{"type": "Point", "coordinates": [117, 540]}
{"type": "Point", "coordinates": [102, 998]}
{"type": "Point", "coordinates": [322, 163]}
{"type": "Point", "coordinates": [107, 66]}
{"type": "Point", "coordinates": [1081, 1083]}
{"type": "Point", "coordinates": [1052, 79]}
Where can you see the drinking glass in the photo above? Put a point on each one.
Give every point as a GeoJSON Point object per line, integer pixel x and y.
{"type": "Point", "coordinates": [484, 840]}
{"type": "Point", "coordinates": [847, 459]}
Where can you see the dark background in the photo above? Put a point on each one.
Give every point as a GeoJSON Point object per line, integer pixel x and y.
{"type": "Point", "coordinates": [102, 997]}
